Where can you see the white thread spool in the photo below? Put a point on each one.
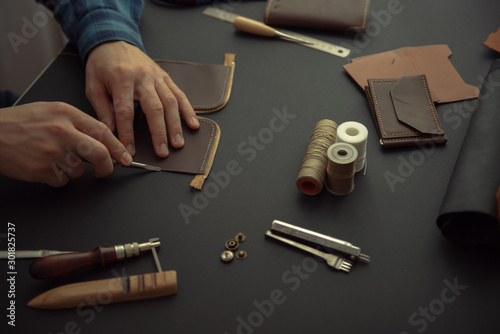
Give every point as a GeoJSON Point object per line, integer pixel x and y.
{"type": "Point", "coordinates": [356, 134]}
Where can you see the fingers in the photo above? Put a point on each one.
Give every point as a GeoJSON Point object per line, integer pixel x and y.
{"type": "Point", "coordinates": [123, 102]}
{"type": "Point", "coordinates": [185, 107]}
{"type": "Point", "coordinates": [100, 100]}
{"type": "Point", "coordinates": [119, 72]}
{"type": "Point", "coordinates": [162, 103]}
{"type": "Point", "coordinates": [99, 146]}
{"type": "Point", "coordinates": [153, 108]}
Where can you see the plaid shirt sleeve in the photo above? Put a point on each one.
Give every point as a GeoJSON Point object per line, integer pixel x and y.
{"type": "Point", "coordinates": [88, 23]}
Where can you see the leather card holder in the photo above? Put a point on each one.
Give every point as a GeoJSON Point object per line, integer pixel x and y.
{"type": "Point", "coordinates": [403, 111]}
{"type": "Point", "coordinates": [334, 15]}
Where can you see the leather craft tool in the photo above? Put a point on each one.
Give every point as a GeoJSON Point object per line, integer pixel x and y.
{"type": "Point", "coordinates": [305, 40]}
{"type": "Point", "coordinates": [30, 254]}
{"type": "Point", "coordinates": [334, 261]}
{"type": "Point", "coordinates": [58, 265]}
{"type": "Point", "coordinates": [260, 29]}
{"type": "Point", "coordinates": [352, 252]}
{"type": "Point", "coordinates": [143, 166]}
{"type": "Point", "coordinates": [111, 290]}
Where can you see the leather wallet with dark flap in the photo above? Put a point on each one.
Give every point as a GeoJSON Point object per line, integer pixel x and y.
{"type": "Point", "coordinates": [404, 112]}
{"type": "Point", "coordinates": [207, 86]}
{"type": "Point", "coordinates": [336, 15]}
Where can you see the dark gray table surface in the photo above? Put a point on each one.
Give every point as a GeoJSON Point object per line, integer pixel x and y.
{"type": "Point", "coordinates": [417, 282]}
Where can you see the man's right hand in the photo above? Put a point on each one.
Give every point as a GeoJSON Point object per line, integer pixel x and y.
{"type": "Point", "coordinates": [47, 142]}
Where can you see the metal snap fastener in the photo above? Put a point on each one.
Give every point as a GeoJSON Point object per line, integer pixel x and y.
{"type": "Point", "coordinates": [240, 237]}
{"type": "Point", "coordinates": [227, 256]}
{"type": "Point", "coordinates": [241, 254]}
{"type": "Point", "coordinates": [232, 244]}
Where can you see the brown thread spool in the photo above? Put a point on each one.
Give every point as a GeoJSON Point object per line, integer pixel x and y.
{"type": "Point", "coordinates": [312, 173]}
{"type": "Point", "coordinates": [341, 168]}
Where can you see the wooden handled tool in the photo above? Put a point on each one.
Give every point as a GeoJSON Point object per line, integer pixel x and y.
{"type": "Point", "coordinates": [55, 266]}
{"type": "Point", "coordinates": [261, 29]}
{"type": "Point", "coordinates": [107, 291]}
{"type": "Point", "coordinates": [111, 290]}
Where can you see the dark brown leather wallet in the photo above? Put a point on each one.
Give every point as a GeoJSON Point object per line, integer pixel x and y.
{"type": "Point", "coordinates": [195, 157]}
{"type": "Point", "coordinates": [404, 112]}
{"type": "Point", "coordinates": [337, 15]}
{"type": "Point", "coordinates": [207, 86]}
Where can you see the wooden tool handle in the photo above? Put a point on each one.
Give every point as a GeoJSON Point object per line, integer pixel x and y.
{"type": "Point", "coordinates": [253, 27]}
{"type": "Point", "coordinates": [54, 266]}
{"type": "Point", "coordinates": [107, 291]}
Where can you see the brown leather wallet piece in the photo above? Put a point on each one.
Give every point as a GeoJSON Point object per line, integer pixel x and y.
{"type": "Point", "coordinates": [404, 112]}
{"type": "Point", "coordinates": [337, 15]}
{"type": "Point", "coordinates": [207, 86]}
{"type": "Point", "coordinates": [195, 157]}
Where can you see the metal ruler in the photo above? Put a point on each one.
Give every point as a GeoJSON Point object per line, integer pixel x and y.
{"type": "Point", "coordinates": [312, 42]}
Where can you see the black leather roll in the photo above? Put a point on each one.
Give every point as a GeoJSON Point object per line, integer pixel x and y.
{"type": "Point", "coordinates": [468, 214]}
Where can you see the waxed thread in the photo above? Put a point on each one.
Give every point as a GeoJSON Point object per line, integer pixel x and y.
{"type": "Point", "coordinates": [312, 173]}
{"type": "Point", "coordinates": [341, 168]}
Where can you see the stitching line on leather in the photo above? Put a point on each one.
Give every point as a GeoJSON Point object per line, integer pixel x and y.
{"type": "Point", "coordinates": [431, 104]}
{"type": "Point", "coordinates": [379, 116]}
{"type": "Point", "coordinates": [222, 95]}
{"type": "Point", "coordinates": [209, 144]}
{"type": "Point", "coordinates": [365, 16]}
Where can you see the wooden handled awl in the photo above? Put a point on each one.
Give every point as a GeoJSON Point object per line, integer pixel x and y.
{"type": "Point", "coordinates": [55, 266]}
{"type": "Point", "coordinates": [111, 290]}
{"type": "Point", "coordinates": [261, 29]}
{"type": "Point", "coordinates": [107, 291]}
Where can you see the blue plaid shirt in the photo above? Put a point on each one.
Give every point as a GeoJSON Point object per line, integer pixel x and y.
{"type": "Point", "coordinates": [88, 23]}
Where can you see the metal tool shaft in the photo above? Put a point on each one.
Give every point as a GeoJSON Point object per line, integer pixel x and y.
{"type": "Point", "coordinates": [319, 239]}
{"type": "Point", "coordinates": [334, 261]}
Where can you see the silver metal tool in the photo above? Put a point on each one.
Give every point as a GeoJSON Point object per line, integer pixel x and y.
{"type": "Point", "coordinates": [143, 166]}
{"type": "Point", "coordinates": [155, 254]}
{"type": "Point", "coordinates": [334, 261]}
{"type": "Point", "coordinates": [30, 254]}
{"type": "Point", "coordinates": [353, 252]}
{"type": "Point", "coordinates": [308, 41]}
{"type": "Point", "coordinates": [133, 249]}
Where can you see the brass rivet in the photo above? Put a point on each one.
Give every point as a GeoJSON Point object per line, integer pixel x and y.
{"type": "Point", "coordinates": [227, 256]}
{"type": "Point", "coordinates": [232, 244]}
{"type": "Point", "coordinates": [240, 237]}
{"type": "Point", "coordinates": [240, 255]}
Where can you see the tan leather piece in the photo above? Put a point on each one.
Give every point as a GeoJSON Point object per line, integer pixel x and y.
{"type": "Point", "coordinates": [493, 41]}
{"type": "Point", "coordinates": [401, 109]}
{"type": "Point", "coordinates": [445, 83]}
{"type": "Point", "coordinates": [336, 15]}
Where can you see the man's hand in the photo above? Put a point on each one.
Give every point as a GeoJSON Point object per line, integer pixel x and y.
{"type": "Point", "coordinates": [47, 142]}
{"type": "Point", "coordinates": [118, 73]}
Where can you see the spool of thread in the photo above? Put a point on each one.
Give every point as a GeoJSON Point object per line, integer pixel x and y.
{"type": "Point", "coordinates": [356, 134]}
{"type": "Point", "coordinates": [312, 173]}
{"type": "Point", "coordinates": [341, 168]}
